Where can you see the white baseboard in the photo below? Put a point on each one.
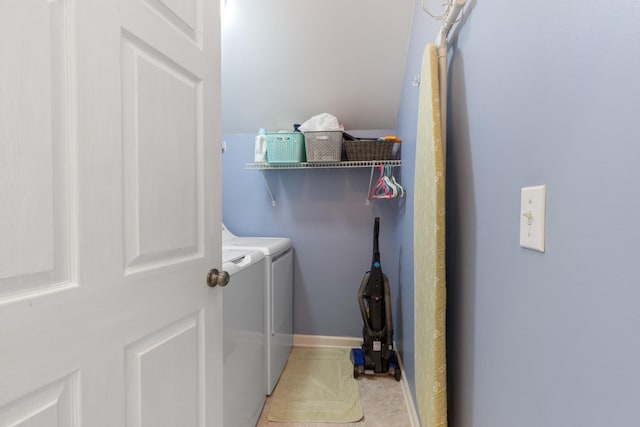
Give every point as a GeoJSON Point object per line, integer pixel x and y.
{"type": "Point", "coordinates": [325, 341]}
{"type": "Point", "coordinates": [408, 398]}
{"type": "Point", "coordinates": [353, 342]}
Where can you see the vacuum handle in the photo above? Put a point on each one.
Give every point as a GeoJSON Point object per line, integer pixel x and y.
{"type": "Point", "coordinates": [376, 232]}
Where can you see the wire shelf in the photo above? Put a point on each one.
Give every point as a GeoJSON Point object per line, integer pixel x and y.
{"type": "Point", "coordinates": [262, 167]}
{"type": "Point", "coordinates": [322, 165]}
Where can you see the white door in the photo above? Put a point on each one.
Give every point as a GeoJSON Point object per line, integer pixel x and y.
{"type": "Point", "coordinates": [109, 213]}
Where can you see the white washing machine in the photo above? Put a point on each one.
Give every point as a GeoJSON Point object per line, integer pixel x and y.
{"type": "Point", "coordinates": [279, 297]}
{"type": "Point", "coordinates": [244, 342]}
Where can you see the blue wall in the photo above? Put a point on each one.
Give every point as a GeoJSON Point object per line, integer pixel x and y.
{"type": "Point", "coordinates": [548, 93]}
{"type": "Point", "coordinates": [323, 211]}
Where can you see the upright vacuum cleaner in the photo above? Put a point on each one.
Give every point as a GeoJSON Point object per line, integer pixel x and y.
{"type": "Point", "coordinates": [376, 357]}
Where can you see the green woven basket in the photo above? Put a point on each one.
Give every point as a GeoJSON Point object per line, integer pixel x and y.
{"type": "Point", "coordinates": [285, 147]}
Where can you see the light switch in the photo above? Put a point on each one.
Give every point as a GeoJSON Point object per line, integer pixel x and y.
{"type": "Point", "coordinates": [532, 217]}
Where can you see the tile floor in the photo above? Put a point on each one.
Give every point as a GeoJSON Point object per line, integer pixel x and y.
{"type": "Point", "coordinates": [382, 402]}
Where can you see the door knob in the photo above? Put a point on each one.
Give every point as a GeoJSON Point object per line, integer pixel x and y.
{"type": "Point", "coordinates": [219, 278]}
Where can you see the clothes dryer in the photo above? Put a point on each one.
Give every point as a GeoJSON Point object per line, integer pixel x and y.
{"type": "Point", "coordinates": [278, 254]}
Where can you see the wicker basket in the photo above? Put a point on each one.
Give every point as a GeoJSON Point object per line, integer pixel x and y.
{"type": "Point", "coordinates": [285, 147]}
{"type": "Point", "coordinates": [368, 149]}
{"type": "Point", "coordinates": [325, 146]}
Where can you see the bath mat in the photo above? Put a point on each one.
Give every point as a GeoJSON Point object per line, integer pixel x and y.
{"type": "Point", "coordinates": [429, 251]}
{"type": "Point", "coordinates": [317, 386]}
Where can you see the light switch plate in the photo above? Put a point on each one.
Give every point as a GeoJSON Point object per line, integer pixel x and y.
{"type": "Point", "coordinates": [532, 217]}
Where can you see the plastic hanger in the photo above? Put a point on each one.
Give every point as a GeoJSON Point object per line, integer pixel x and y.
{"type": "Point", "coordinates": [391, 180]}
{"type": "Point", "coordinates": [382, 189]}
{"type": "Point", "coordinates": [386, 187]}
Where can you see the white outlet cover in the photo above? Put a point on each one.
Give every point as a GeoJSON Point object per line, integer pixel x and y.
{"type": "Point", "coordinates": [532, 217]}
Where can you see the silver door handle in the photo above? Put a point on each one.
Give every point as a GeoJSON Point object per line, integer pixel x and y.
{"type": "Point", "coordinates": [219, 278]}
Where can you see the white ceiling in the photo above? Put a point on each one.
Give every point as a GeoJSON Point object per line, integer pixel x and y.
{"type": "Point", "coordinates": [284, 61]}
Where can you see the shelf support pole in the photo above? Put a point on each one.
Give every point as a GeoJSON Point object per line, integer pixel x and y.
{"type": "Point", "coordinates": [266, 184]}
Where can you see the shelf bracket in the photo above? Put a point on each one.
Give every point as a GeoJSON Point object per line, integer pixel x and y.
{"type": "Point", "coordinates": [266, 184]}
{"type": "Point", "coordinates": [368, 200]}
